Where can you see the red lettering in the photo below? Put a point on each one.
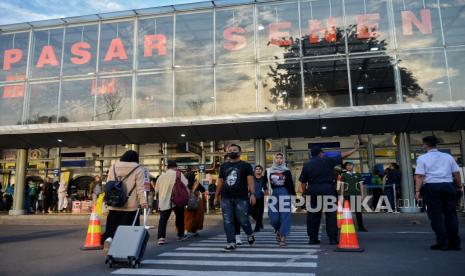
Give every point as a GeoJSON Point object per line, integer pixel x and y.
{"type": "Point", "coordinates": [116, 50]}
{"type": "Point", "coordinates": [83, 56]}
{"type": "Point", "coordinates": [156, 41]}
{"type": "Point", "coordinates": [47, 56]}
{"type": "Point", "coordinates": [11, 56]}
{"type": "Point", "coordinates": [104, 86]}
{"type": "Point", "coordinates": [409, 19]}
{"type": "Point", "coordinates": [234, 42]}
{"type": "Point", "coordinates": [315, 28]}
{"type": "Point", "coordinates": [367, 26]}
{"type": "Point", "coordinates": [277, 37]}
{"type": "Point", "coordinates": [14, 91]}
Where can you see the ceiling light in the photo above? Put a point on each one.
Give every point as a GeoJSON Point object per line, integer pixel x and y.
{"type": "Point", "coordinates": [183, 135]}
{"type": "Point", "coordinates": [374, 49]}
{"type": "Point", "coordinates": [284, 93]}
{"type": "Point", "coordinates": [59, 140]}
{"type": "Point", "coordinates": [323, 127]}
{"type": "Point", "coordinates": [360, 88]}
{"type": "Point", "coordinates": [440, 82]}
{"type": "Point", "coordinates": [261, 28]}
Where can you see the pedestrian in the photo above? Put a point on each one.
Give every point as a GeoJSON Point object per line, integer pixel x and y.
{"type": "Point", "coordinates": [211, 195]}
{"type": "Point", "coordinates": [317, 180]}
{"type": "Point", "coordinates": [376, 188]}
{"type": "Point", "coordinates": [9, 192]}
{"type": "Point", "coordinates": [33, 193]}
{"type": "Point", "coordinates": [153, 185]}
{"type": "Point", "coordinates": [261, 188]}
{"type": "Point", "coordinates": [126, 168]}
{"type": "Point", "coordinates": [96, 188]}
{"type": "Point", "coordinates": [40, 199]}
{"type": "Point", "coordinates": [164, 190]}
{"type": "Point", "coordinates": [48, 195]}
{"type": "Point", "coordinates": [237, 188]}
{"type": "Point", "coordinates": [55, 187]}
{"type": "Point", "coordinates": [62, 197]}
{"type": "Point", "coordinates": [352, 187]}
{"type": "Point", "coordinates": [193, 219]}
{"type": "Point", "coordinates": [393, 180]}
{"type": "Point", "coordinates": [282, 185]}
{"type": "Point", "coordinates": [434, 177]}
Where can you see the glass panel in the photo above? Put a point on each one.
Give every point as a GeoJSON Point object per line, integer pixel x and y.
{"type": "Point", "coordinates": [456, 62]}
{"type": "Point", "coordinates": [116, 44]}
{"type": "Point", "coordinates": [114, 98]}
{"type": "Point", "coordinates": [46, 53]}
{"type": "Point", "coordinates": [322, 27]}
{"type": "Point", "coordinates": [194, 39]}
{"type": "Point", "coordinates": [194, 92]}
{"type": "Point", "coordinates": [367, 25]}
{"type": "Point", "coordinates": [77, 101]}
{"type": "Point", "coordinates": [235, 35]}
{"type": "Point", "coordinates": [326, 84]}
{"type": "Point", "coordinates": [235, 89]}
{"type": "Point", "coordinates": [11, 104]}
{"type": "Point", "coordinates": [13, 53]}
{"type": "Point", "coordinates": [453, 21]}
{"type": "Point", "coordinates": [154, 96]}
{"type": "Point", "coordinates": [278, 30]}
{"type": "Point", "coordinates": [155, 43]}
{"type": "Point", "coordinates": [281, 87]}
{"type": "Point", "coordinates": [43, 103]}
{"type": "Point", "coordinates": [372, 81]}
{"type": "Point", "coordinates": [417, 25]}
{"type": "Point", "coordinates": [80, 50]}
{"type": "Point", "coordinates": [423, 77]}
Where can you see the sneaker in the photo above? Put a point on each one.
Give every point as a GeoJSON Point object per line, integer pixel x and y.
{"type": "Point", "coordinates": [106, 245]}
{"type": "Point", "coordinates": [229, 247]}
{"type": "Point", "coordinates": [161, 241]}
{"type": "Point", "coordinates": [183, 238]}
{"type": "Point", "coordinates": [238, 240]}
{"type": "Point", "coordinates": [251, 240]}
{"type": "Point", "coordinates": [439, 247]}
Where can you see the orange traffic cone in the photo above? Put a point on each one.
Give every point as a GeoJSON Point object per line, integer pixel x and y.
{"type": "Point", "coordinates": [348, 241]}
{"type": "Point", "coordinates": [339, 214]}
{"type": "Point", "coordinates": [93, 233]}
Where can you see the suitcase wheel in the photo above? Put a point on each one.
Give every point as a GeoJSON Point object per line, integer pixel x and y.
{"type": "Point", "coordinates": [110, 263]}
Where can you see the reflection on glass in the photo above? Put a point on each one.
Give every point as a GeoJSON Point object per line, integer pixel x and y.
{"type": "Point", "coordinates": [235, 35]}
{"type": "Point", "coordinates": [116, 44]}
{"type": "Point", "coordinates": [322, 27]}
{"type": "Point", "coordinates": [281, 87]}
{"type": "Point", "coordinates": [367, 25]}
{"type": "Point", "coordinates": [456, 63]}
{"type": "Point", "coordinates": [155, 43]}
{"type": "Point", "coordinates": [453, 15]}
{"type": "Point", "coordinates": [13, 54]}
{"type": "Point", "coordinates": [278, 30]}
{"type": "Point", "coordinates": [417, 24]}
{"type": "Point", "coordinates": [11, 104]}
{"type": "Point", "coordinates": [113, 98]}
{"type": "Point", "coordinates": [80, 50]}
{"type": "Point", "coordinates": [372, 81]}
{"type": "Point", "coordinates": [326, 84]}
{"type": "Point", "coordinates": [194, 92]}
{"type": "Point", "coordinates": [77, 101]}
{"type": "Point", "coordinates": [423, 77]}
{"type": "Point", "coordinates": [46, 54]}
{"type": "Point", "coordinates": [194, 39]}
{"type": "Point", "coordinates": [154, 96]}
{"type": "Point", "coordinates": [43, 103]}
{"type": "Point", "coordinates": [235, 89]}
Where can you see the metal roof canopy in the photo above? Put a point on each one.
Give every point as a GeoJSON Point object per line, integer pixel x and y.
{"type": "Point", "coordinates": [379, 119]}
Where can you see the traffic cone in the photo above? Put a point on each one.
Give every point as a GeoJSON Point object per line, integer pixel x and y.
{"type": "Point", "coordinates": [93, 233]}
{"type": "Point", "coordinates": [348, 241]}
{"type": "Point", "coordinates": [339, 214]}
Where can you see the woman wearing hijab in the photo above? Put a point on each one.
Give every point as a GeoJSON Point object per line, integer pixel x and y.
{"type": "Point", "coordinates": [282, 185]}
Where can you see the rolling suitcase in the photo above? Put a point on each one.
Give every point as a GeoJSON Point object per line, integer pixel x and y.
{"type": "Point", "coordinates": [128, 244]}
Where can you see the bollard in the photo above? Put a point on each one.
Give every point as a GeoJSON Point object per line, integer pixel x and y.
{"type": "Point", "coordinates": [395, 198]}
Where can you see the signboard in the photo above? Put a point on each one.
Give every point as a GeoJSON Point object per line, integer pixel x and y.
{"type": "Point", "coordinates": [193, 148]}
{"type": "Point", "coordinates": [201, 168]}
{"type": "Point", "coordinates": [330, 149]}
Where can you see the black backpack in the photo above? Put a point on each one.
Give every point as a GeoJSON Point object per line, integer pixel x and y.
{"type": "Point", "coordinates": [115, 192]}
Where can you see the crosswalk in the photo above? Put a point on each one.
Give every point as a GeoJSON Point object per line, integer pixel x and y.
{"type": "Point", "coordinates": [206, 258]}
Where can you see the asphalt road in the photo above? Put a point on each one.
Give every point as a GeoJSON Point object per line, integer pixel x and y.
{"type": "Point", "coordinates": [395, 244]}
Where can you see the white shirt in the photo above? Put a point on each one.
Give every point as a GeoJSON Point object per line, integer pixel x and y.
{"type": "Point", "coordinates": [164, 188]}
{"type": "Point", "coordinates": [436, 166]}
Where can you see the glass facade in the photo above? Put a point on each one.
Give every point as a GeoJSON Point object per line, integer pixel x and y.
{"type": "Point", "coordinates": [263, 57]}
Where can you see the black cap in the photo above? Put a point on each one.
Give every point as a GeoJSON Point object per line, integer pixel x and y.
{"type": "Point", "coordinates": [315, 150]}
{"type": "Point", "coordinates": [172, 164]}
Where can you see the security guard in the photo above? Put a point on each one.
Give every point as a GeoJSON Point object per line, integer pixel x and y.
{"type": "Point", "coordinates": [434, 176]}
{"type": "Point", "coordinates": [318, 180]}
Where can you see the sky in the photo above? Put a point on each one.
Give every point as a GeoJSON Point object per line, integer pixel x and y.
{"type": "Point", "coordinates": [18, 11]}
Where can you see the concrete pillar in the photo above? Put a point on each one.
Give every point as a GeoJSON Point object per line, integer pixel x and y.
{"type": "Point", "coordinates": [371, 154]}
{"type": "Point", "coordinates": [408, 204]}
{"type": "Point", "coordinates": [20, 183]}
{"type": "Point", "coordinates": [260, 152]}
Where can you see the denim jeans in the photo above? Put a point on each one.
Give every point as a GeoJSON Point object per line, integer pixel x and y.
{"type": "Point", "coordinates": [280, 216]}
{"type": "Point", "coordinates": [239, 209]}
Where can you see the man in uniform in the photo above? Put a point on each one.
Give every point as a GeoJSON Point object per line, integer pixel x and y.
{"type": "Point", "coordinates": [435, 175]}
{"type": "Point", "coordinates": [317, 180]}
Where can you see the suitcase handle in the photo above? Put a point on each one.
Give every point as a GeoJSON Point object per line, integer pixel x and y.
{"type": "Point", "coordinates": [137, 216]}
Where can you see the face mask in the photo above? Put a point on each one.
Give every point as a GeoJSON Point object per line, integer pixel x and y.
{"type": "Point", "coordinates": [233, 155]}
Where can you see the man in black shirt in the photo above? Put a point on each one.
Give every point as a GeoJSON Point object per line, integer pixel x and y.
{"type": "Point", "coordinates": [235, 184]}
{"type": "Point", "coordinates": [317, 180]}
